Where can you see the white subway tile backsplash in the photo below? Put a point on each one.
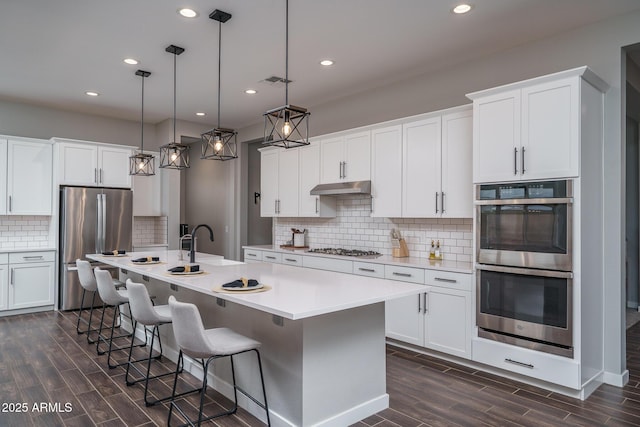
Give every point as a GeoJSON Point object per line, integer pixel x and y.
{"type": "Point", "coordinates": [353, 228]}
{"type": "Point", "coordinates": [149, 230]}
{"type": "Point", "coordinates": [24, 231]}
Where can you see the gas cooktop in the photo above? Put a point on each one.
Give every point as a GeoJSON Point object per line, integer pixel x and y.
{"type": "Point", "coordinates": [346, 252]}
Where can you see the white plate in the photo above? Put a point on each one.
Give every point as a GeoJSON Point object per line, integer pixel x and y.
{"type": "Point", "coordinates": [145, 262]}
{"type": "Point", "coordinates": [260, 285]}
{"type": "Point", "coordinates": [191, 273]}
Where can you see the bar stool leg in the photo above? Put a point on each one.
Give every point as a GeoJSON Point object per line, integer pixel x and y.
{"type": "Point", "coordinates": [84, 291]}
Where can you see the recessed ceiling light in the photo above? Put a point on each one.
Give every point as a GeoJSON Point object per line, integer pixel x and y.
{"type": "Point", "coordinates": [326, 62]}
{"type": "Point", "coordinates": [91, 93]}
{"type": "Point", "coordinates": [130, 61]}
{"type": "Point", "coordinates": [461, 8]}
{"type": "Point", "coordinates": [188, 13]}
{"type": "Point", "coordinates": [200, 114]}
{"type": "Point", "coordinates": [251, 91]}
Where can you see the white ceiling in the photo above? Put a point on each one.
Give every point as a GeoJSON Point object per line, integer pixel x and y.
{"type": "Point", "coordinates": [55, 50]}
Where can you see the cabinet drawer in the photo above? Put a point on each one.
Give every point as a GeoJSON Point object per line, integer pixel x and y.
{"type": "Point", "coordinates": [292, 259]}
{"type": "Point", "coordinates": [331, 264]}
{"type": "Point", "coordinates": [274, 257]}
{"type": "Point", "coordinates": [447, 279]}
{"type": "Point", "coordinates": [404, 274]}
{"type": "Point", "coordinates": [543, 366]}
{"type": "Point", "coordinates": [4, 258]}
{"type": "Point", "coordinates": [252, 255]}
{"type": "Point", "coordinates": [368, 269]}
{"type": "Point", "coordinates": [24, 257]}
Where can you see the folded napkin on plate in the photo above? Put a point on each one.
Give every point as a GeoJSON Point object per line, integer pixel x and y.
{"type": "Point", "coordinates": [146, 259]}
{"type": "Point", "coordinates": [116, 252]}
{"type": "Point", "coordinates": [185, 269]}
{"type": "Point", "coordinates": [241, 283]}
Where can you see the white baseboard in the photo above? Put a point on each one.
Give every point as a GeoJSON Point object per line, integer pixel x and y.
{"type": "Point", "coordinates": [617, 380]}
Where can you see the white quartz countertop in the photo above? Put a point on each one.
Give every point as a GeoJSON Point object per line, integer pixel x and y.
{"type": "Point", "coordinates": [295, 293]}
{"type": "Point", "coordinates": [444, 265]}
{"type": "Point", "coordinates": [14, 250]}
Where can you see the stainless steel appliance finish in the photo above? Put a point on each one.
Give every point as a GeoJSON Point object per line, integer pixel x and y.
{"type": "Point", "coordinates": [92, 220]}
{"type": "Point", "coordinates": [346, 252]}
{"type": "Point", "coordinates": [526, 307]}
{"type": "Point", "coordinates": [527, 225]}
{"type": "Point", "coordinates": [338, 188]}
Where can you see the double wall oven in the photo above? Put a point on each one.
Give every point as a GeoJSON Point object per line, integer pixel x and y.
{"type": "Point", "coordinates": [524, 234]}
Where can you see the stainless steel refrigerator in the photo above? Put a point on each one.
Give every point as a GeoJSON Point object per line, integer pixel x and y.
{"type": "Point", "coordinates": [92, 220]}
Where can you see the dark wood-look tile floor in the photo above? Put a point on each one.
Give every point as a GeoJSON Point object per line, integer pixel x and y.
{"type": "Point", "coordinates": [44, 361]}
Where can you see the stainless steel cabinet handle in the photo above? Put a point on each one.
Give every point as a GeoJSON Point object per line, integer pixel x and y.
{"type": "Point", "coordinates": [269, 257]}
{"type": "Point", "coordinates": [442, 200]}
{"type": "Point", "coordinates": [515, 362]}
{"type": "Point", "coordinates": [522, 162]}
{"type": "Point", "coordinates": [368, 270]}
{"type": "Point", "coordinates": [515, 161]}
{"type": "Point", "coordinates": [340, 172]}
{"type": "Point", "coordinates": [10, 203]}
{"type": "Point", "coordinates": [395, 273]}
{"type": "Point", "coordinates": [419, 308]}
{"type": "Point", "coordinates": [11, 280]}
{"type": "Point", "coordinates": [32, 257]}
{"type": "Point", "coordinates": [317, 200]}
{"type": "Point", "coordinates": [344, 169]}
{"type": "Point", "coordinates": [424, 305]}
{"type": "Point", "coordinates": [442, 279]}
{"type": "Point", "coordinates": [436, 202]}
{"type": "Point", "coordinates": [95, 175]}
{"type": "Point", "coordinates": [252, 255]}
{"type": "Point", "coordinates": [101, 181]}
{"type": "Point", "coordinates": [291, 260]}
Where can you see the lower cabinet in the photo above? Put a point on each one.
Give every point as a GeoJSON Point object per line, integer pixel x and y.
{"type": "Point", "coordinates": [440, 318]}
{"type": "Point", "coordinates": [4, 280]}
{"type": "Point", "coordinates": [31, 280]}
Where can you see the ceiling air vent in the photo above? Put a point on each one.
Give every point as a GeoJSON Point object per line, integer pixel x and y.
{"type": "Point", "coordinates": [275, 81]}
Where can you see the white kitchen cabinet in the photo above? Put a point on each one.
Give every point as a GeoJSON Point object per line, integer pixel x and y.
{"type": "Point", "coordinates": [386, 172]}
{"type": "Point", "coordinates": [331, 264]}
{"type": "Point", "coordinates": [3, 177]}
{"type": "Point", "coordinates": [147, 192]}
{"type": "Point", "coordinates": [31, 280]}
{"type": "Point", "coordinates": [279, 182]}
{"type": "Point", "coordinates": [292, 259]}
{"type": "Point", "coordinates": [272, 257]}
{"type": "Point", "coordinates": [252, 255]}
{"type": "Point", "coordinates": [4, 280]}
{"type": "Point", "coordinates": [530, 130]}
{"type": "Point", "coordinates": [91, 164]}
{"type": "Point", "coordinates": [29, 174]}
{"type": "Point", "coordinates": [439, 319]}
{"type": "Point", "coordinates": [309, 166]}
{"type": "Point", "coordinates": [346, 157]}
{"type": "Point", "coordinates": [436, 166]}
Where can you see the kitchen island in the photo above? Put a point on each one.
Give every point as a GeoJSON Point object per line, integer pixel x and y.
{"type": "Point", "coordinates": [322, 333]}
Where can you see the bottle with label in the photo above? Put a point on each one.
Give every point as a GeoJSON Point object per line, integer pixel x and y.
{"type": "Point", "coordinates": [432, 251]}
{"type": "Point", "coordinates": [438, 254]}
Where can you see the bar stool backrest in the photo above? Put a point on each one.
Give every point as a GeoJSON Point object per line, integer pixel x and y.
{"type": "Point", "coordinates": [87, 279]}
{"type": "Point", "coordinates": [188, 329]}
{"type": "Point", "coordinates": [107, 289]}
{"type": "Point", "coordinates": [140, 304]}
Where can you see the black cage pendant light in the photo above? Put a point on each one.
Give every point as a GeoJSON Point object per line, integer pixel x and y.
{"type": "Point", "coordinates": [174, 155]}
{"type": "Point", "coordinates": [286, 126]}
{"type": "Point", "coordinates": [219, 143]}
{"type": "Point", "coordinates": [142, 164]}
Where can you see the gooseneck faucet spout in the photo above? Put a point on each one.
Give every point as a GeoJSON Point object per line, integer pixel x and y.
{"type": "Point", "coordinates": [192, 251]}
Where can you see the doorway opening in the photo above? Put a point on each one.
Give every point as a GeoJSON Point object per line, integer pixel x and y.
{"type": "Point", "coordinates": [256, 230]}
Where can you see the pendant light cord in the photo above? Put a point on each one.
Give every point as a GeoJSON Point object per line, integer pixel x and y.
{"type": "Point", "coordinates": [142, 120]}
{"type": "Point", "coordinates": [219, 65]}
{"type": "Point", "coordinates": [286, 60]}
{"type": "Point", "coordinates": [174, 96]}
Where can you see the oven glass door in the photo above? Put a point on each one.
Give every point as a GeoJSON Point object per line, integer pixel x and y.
{"type": "Point", "coordinates": [524, 302]}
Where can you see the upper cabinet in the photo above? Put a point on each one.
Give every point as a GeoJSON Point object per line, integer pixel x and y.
{"type": "Point", "coordinates": [279, 182]}
{"type": "Point", "coordinates": [386, 177]}
{"type": "Point", "coordinates": [531, 130]}
{"type": "Point", "coordinates": [27, 187]}
{"type": "Point", "coordinates": [346, 158]}
{"type": "Point", "coordinates": [95, 165]}
{"type": "Point", "coordinates": [309, 166]}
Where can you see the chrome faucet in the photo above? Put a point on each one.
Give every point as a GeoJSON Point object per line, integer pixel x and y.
{"type": "Point", "coordinates": [181, 238]}
{"type": "Point", "coordinates": [192, 251]}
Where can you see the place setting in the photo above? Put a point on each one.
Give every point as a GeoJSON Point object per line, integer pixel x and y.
{"type": "Point", "coordinates": [147, 260]}
{"type": "Point", "coordinates": [186, 270]}
{"type": "Point", "coordinates": [115, 253]}
{"type": "Point", "coordinates": [242, 285]}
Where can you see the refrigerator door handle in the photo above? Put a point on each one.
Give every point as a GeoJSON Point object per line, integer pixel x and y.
{"type": "Point", "coordinates": [104, 221]}
{"type": "Point", "coordinates": [99, 228]}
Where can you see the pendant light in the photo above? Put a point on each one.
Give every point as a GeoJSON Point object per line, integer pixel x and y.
{"type": "Point", "coordinates": [141, 164]}
{"type": "Point", "coordinates": [219, 143]}
{"type": "Point", "coordinates": [286, 126]}
{"type": "Point", "coordinates": [174, 155]}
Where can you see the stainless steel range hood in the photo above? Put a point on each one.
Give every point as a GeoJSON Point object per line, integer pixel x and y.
{"type": "Point", "coordinates": [338, 188]}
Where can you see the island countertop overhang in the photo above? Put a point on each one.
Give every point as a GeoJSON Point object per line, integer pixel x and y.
{"type": "Point", "coordinates": [296, 293]}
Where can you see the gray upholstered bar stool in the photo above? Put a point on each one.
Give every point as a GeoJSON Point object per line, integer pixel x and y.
{"type": "Point", "coordinates": [147, 314]}
{"type": "Point", "coordinates": [88, 283]}
{"type": "Point", "coordinates": [114, 298]}
{"type": "Point", "coordinates": [206, 345]}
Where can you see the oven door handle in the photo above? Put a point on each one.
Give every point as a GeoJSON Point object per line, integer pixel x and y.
{"type": "Point", "coordinates": [546, 201]}
{"type": "Point", "coordinates": [526, 271]}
